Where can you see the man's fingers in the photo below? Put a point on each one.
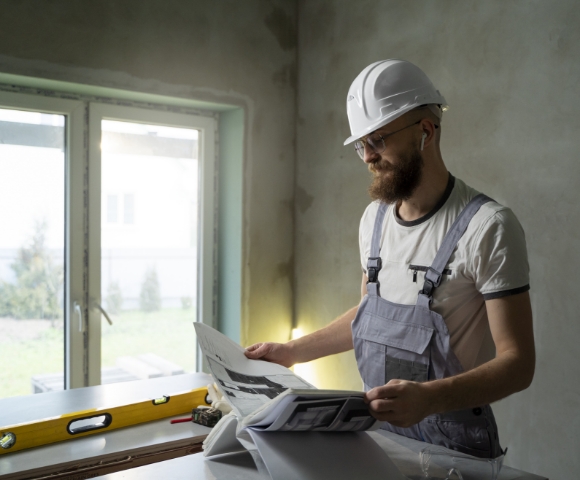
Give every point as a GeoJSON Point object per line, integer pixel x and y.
{"type": "Point", "coordinates": [382, 412]}
{"type": "Point", "coordinates": [268, 352]}
{"type": "Point", "coordinates": [256, 351]}
{"type": "Point", "coordinates": [385, 391]}
{"type": "Point", "coordinates": [253, 347]}
{"type": "Point", "coordinates": [389, 411]}
{"type": "Point", "coordinates": [383, 405]}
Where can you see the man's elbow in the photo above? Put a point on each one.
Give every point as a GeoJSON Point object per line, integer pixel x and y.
{"type": "Point", "coordinates": [520, 369]}
{"type": "Point", "coordinates": [525, 373]}
{"type": "Point", "coordinates": [528, 378]}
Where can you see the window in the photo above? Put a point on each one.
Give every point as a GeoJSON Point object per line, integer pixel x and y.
{"type": "Point", "coordinates": [119, 208]}
{"type": "Point", "coordinates": [129, 208]}
{"type": "Point", "coordinates": [32, 250]}
{"type": "Point", "coordinates": [116, 209]}
{"type": "Point", "coordinates": [112, 208]}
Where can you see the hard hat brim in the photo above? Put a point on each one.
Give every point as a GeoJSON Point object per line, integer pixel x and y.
{"type": "Point", "coordinates": [380, 123]}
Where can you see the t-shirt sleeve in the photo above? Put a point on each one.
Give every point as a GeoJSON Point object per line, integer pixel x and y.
{"type": "Point", "coordinates": [500, 258]}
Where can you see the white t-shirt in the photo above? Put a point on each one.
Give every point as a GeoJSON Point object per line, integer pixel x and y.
{"type": "Point", "coordinates": [490, 261]}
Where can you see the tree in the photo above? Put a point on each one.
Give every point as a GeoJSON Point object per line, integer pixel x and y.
{"type": "Point", "coordinates": [150, 298]}
{"type": "Point", "coordinates": [114, 298]}
{"type": "Point", "coordinates": [36, 293]}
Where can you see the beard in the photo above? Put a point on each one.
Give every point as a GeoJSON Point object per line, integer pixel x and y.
{"type": "Point", "coordinates": [393, 183]}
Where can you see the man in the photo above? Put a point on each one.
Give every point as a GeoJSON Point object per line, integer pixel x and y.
{"type": "Point", "coordinates": [445, 325]}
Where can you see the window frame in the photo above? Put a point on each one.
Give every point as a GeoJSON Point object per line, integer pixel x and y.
{"type": "Point", "coordinates": [207, 126]}
{"type": "Point", "coordinates": [74, 287]}
{"type": "Point", "coordinates": [82, 336]}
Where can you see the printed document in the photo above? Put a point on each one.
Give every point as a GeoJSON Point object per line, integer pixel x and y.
{"type": "Point", "coordinates": [268, 396]}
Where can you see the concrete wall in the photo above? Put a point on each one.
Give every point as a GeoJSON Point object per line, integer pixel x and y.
{"type": "Point", "coordinates": [509, 70]}
{"type": "Point", "coordinates": [510, 73]}
{"type": "Point", "coordinates": [239, 53]}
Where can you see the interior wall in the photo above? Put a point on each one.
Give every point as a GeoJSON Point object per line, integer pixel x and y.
{"type": "Point", "coordinates": [510, 73]}
{"type": "Point", "coordinates": [238, 53]}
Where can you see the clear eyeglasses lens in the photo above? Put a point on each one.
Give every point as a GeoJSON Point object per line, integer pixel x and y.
{"type": "Point", "coordinates": [376, 143]}
{"type": "Point", "coordinates": [359, 146]}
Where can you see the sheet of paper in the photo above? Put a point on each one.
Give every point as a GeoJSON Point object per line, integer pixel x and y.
{"type": "Point", "coordinates": [247, 384]}
{"type": "Point", "coordinates": [313, 455]}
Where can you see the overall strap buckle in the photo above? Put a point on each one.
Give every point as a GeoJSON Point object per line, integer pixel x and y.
{"type": "Point", "coordinates": [374, 266]}
{"type": "Point", "coordinates": [432, 281]}
{"type": "Point", "coordinates": [374, 263]}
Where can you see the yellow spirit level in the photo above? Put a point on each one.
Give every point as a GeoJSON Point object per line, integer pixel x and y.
{"type": "Point", "coordinates": [86, 422]}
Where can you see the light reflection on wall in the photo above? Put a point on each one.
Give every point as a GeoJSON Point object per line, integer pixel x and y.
{"type": "Point", "coordinates": [304, 370]}
{"type": "Point", "coordinates": [335, 372]}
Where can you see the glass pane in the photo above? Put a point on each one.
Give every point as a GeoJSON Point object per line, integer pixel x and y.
{"type": "Point", "coordinates": [32, 213]}
{"type": "Point", "coordinates": [148, 250]}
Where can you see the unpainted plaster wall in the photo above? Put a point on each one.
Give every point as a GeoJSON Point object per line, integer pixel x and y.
{"type": "Point", "coordinates": [239, 53]}
{"type": "Point", "coordinates": [508, 70]}
{"type": "Point", "coordinates": [510, 73]}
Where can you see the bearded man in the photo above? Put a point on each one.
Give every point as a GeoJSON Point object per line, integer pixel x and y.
{"type": "Point", "coordinates": [444, 327]}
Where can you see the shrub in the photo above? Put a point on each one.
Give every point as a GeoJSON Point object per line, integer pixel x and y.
{"type": "Point", "coordinates": [37, 291]}
{"type": "Point", "coordinates": [114, 298]}
{"type": "Point", "coordinates": [150, 297]}
{"type": "Point", "coordinates": [186, 303]}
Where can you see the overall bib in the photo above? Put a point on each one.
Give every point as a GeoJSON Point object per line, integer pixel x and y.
{"type": "Point", "coordinates": [412, 342]}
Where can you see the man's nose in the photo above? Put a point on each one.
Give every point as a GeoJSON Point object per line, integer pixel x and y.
{"type": "Point", "coordinates": [371, 156]}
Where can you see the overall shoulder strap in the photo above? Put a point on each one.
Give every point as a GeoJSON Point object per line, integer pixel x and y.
{"type": "Point", "coordinates": [374, 263]}
{"type": "Point", "coordinates": [434, 273]}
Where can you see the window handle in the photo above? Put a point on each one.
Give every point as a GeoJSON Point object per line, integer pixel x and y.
{"type": "Point", "coordinates": [79, 313]}
{"type": "Point", "coordinates": [106, 315]}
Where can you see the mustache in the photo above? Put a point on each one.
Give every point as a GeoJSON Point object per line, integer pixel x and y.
{"type": "Point", "coordinates": [380, 167]}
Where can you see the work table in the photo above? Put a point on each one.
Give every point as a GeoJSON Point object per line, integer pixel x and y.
{"type": "Point", "coordinates": [154, 449]}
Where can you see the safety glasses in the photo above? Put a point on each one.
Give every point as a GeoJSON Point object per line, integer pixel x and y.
{"type": "Point", "coordinates": [376, 141]}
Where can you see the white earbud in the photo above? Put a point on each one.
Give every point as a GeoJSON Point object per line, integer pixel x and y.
{"type": "Point", "coordinates": [423, 140]}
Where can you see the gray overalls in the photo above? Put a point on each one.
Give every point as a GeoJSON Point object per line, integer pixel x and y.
{"type": "Point", "coordinates": [411, 342]}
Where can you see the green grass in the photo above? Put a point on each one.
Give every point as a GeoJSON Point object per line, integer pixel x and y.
{"type": "Point", "coordinates": [168, 333]}
{"type": "Point", "coordinates": [21, 360]}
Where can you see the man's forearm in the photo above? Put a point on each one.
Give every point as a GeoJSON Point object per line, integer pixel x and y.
{"type": "Point", "coordinates": [511, 371]}
{"type": "Point", "coordinates": [334, 338]}
{"type": "Point", "coordinates": [490, 382]}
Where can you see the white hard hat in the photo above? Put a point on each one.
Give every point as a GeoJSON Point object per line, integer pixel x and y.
{"type": "Point", "coordinates": [384, 91]}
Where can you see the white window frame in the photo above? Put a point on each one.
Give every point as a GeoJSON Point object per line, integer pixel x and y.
{"type": "Point", "coordinates": [206, 245]}
{"type": "Point", "coordinates": [74, 111]}
{"type": "Point", "coordinates": [83, 215]}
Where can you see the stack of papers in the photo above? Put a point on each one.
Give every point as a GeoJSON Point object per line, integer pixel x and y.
{"type": "Point", "coordinates": [292, 429]}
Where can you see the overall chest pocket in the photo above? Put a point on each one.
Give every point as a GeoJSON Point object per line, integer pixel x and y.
{"type": "Point", "coordinates": [415, 269]}
{"type": "Point", "coordinates": [393, 349]}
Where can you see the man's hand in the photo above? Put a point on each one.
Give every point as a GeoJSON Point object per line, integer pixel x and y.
{"type": "Point", "coordinates": [271, 352]}
{"type": "Point", "coordinates": [399, 402]}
